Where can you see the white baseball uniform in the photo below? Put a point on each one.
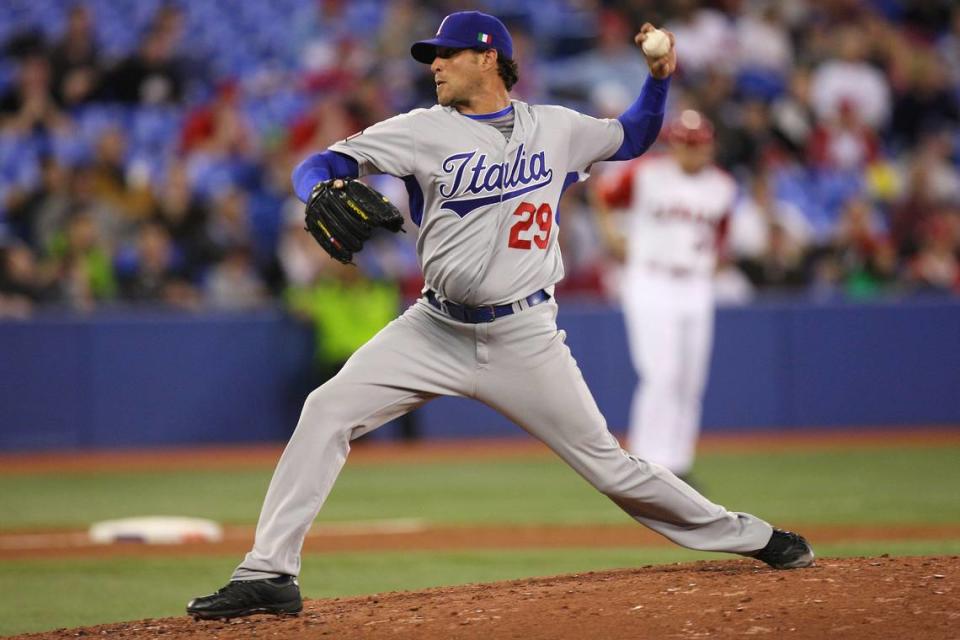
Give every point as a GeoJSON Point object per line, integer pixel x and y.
{"type": "Point", "coordinates": [486, 206]}
{"type": "Point", "coordinates": [675, 223]}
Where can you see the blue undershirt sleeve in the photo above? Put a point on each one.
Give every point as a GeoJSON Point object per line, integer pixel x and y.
{"type": "Point", "coordinates": [322, 166]}
{"type": "Point", "coordinates": [643, 119]}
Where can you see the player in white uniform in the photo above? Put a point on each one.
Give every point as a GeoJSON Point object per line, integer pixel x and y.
{"type": "Point", "coordinates": [484, 174]}
{"type": "Point", "coordinates": [677, 211]}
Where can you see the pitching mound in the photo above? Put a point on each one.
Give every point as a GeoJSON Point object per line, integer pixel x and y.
{"type": "Point", "coordinates": [848, 598]}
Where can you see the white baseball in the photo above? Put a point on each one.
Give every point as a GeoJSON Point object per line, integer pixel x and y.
{"type": "Point", "coordinates": [656, 44]}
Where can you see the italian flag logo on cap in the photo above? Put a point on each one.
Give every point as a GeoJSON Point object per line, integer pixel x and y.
{"type": "Point", "coordinates": [484, 38]}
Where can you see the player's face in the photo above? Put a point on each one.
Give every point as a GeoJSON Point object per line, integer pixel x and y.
{"type": "Point", "coordinates": [692, 157]}
{"type": "Point", "coordinates": [457, 75]}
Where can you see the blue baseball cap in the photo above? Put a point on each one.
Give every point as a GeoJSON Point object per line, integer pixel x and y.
{"type": "Point", "coordinates": [465, 30]}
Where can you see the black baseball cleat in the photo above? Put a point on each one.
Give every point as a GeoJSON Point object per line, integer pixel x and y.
{"type": "Point", "coordinates": [785, 550]}
{"type": "Point", "coordinates": [246, 597]}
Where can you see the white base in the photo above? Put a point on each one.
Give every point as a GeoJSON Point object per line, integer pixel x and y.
{"type": "Point", "coordinates": [156, 530]}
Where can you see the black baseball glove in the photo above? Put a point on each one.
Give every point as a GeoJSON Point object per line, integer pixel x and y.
{"type": "Point", "coordinates": [342, 214]}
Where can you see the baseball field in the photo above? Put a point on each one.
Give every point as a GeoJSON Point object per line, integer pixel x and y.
{"type": "Point", "coordinates": [497, 540]}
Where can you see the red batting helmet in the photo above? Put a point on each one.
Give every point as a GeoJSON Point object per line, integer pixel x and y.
{"type": "Point", "coordinates": [690, 127]}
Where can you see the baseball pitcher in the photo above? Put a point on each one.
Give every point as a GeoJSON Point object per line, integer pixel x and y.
{"type": "Point", "coordinates": [484, 174]}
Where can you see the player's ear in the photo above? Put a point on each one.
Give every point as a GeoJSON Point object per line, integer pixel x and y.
{"type": "Point", "coordinates": [490, 57]}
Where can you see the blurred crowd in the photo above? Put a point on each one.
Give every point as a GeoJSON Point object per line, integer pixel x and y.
{"type": "Point", "coordinates": [146, 145]}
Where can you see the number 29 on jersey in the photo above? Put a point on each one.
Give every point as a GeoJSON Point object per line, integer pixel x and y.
{"type": "Point", "coordinates": [523, 235]}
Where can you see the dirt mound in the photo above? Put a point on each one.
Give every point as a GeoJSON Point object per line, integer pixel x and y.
{"type": "Point", "coordinates": [848, 598]}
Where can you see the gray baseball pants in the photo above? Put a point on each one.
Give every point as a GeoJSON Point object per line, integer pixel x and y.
{"type": "Point", "coordinates": [520, 366]}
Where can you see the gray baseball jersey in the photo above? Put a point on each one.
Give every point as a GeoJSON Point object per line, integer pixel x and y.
{"type": "Point", "coordinates": [487, 209]}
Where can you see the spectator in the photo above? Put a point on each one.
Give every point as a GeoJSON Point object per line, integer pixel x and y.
{"type": "Point", "coordinates": [170, 20]}
{"type": "Point", "coordinates": [844, 142]}
{"type": "Point", "coordinates": [783, 263]}
{"type": "Point", "coordinates": [849, 79]}
{"type": "Point", "coordinates": [266, 213]}
{"type": "Point", "coordinates": [398, 78]}
{"type": "Point", "coordinates": [23, 282]}
{"type": "Point", "coordinates": [113, 184]}
{"type": "Point", "coordinates": [368, 103]}
{"type": "Point", "coordinates": [863, 250]}
{"type": "Point", "coordinates": [746, 142]}
{"type": "Point", "coordinates": [758, 216]}
{"type": "Point", "coordinates": [234, 284]}
{"type": "Point", "coordinates": [936, 267]}
{"type": "Point", "coordinates": [948, 47]}
{"type": "Point", "coordinates": [326, 121]}
{"type": "Point", "coordinates": [334, 64]}
{"type": "Point", "coordinates": [792, 117]}
{"type": "Point", "coordinates": [703, 33]}
{"type": "Point", "coordinates": [37, 215]}
{"type": "Point", "coordinates": [763, 44]}
{"type": "Point", "coordinates": [75, 60]}
{"type": "Point", "coordinates": [112, 228]}
{"type": "Point", "coordinates": [731, 286]}
{"type": "Point", "coordinates": [229, 224]}
{"type": "Point", "coordinates": [83, 263]}
{"type": "Point", "coordinates": [926, 104]}
{"type": "Point", "coordinates": [927, 17]}
{"type": "Point", "coordinates": [151, 76]}
{"type": "Point", "coordinates": [932, 182]}
{"type": "Point", "coordinates": [401, 25]}
{"type": "Point", "coordinates": [345, 308]}
{"type": "Point", "coordinates": [184, 218]}
{"type": "Point", "coordinates": [29, 108]}
{"type": "Point", "coordinates": [219, 127]}
{"type": "Point", "coordinates": [154, 273]}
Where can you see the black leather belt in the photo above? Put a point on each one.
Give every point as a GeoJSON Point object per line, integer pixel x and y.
{"type": "Point", "coordinates": [487, 313]}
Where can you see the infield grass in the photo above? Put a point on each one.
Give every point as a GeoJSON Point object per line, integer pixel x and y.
{"type": "Point", "coordinates": [882, 486]}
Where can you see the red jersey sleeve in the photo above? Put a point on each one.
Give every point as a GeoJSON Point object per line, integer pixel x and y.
{"type": "Point", "coordinates": [616, 190]}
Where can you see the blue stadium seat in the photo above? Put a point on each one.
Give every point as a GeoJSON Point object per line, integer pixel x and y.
{"type": "Point", "coordinates": [156, 128]}
{"type": "Point", "coordinates": [71, 150]}
{"type": "Point", "coordinates": [760, 84]}
{"type": "Point", "coordinates": [834, 188]}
